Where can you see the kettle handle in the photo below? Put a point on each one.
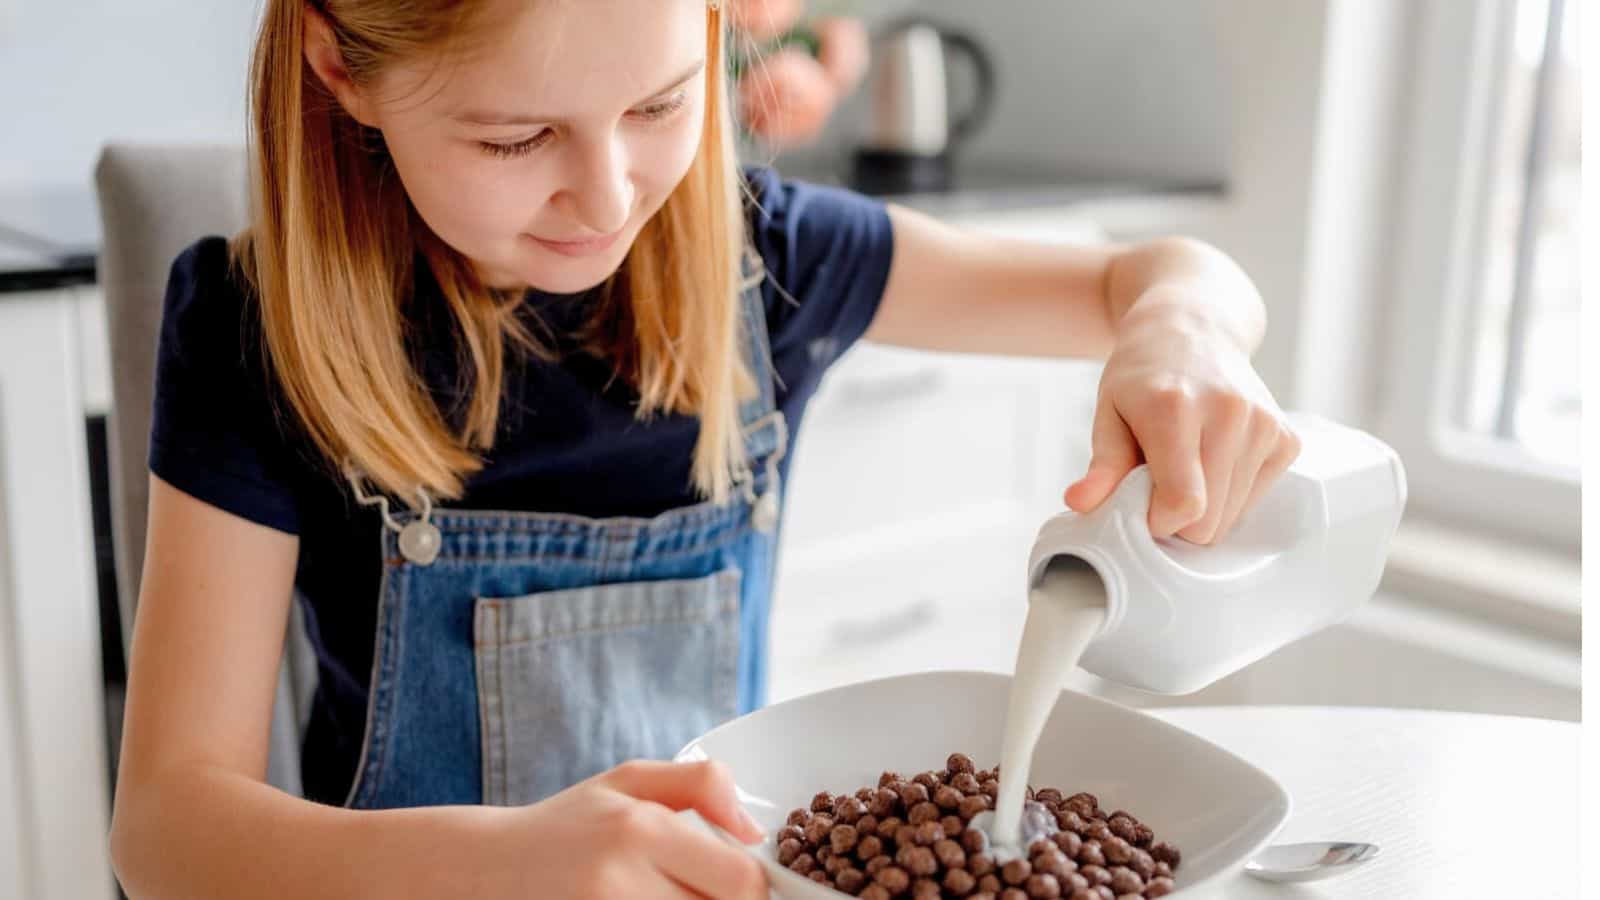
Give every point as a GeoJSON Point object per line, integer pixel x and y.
{"type": "Point", "coordinates": [967, 124]}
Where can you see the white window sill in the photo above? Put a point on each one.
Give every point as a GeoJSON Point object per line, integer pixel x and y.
{"type": "Point", "coordinates": [1494, 580]}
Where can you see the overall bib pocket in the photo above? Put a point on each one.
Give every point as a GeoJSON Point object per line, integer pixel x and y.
{"type": "Point", "coordinates": [572, 682]}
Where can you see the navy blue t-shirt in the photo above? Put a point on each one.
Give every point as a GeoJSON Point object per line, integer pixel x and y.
{"type": "Point", "coordinates": [568, 439]}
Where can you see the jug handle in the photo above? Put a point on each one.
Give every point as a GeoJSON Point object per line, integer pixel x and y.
{"type": "Point", "coordinates": [1132, 498]}
{"type": "Point", "coordinates": [1289, 509]}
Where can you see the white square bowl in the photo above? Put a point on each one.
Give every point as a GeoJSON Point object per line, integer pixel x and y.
{"type": "Point", "coordinates": [1216, 808]}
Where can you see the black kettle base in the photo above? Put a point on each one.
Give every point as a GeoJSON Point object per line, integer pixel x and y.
{"type": "Point", "coordinates": [883, 172]}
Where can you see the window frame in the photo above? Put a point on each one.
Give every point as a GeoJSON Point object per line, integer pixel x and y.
{"type": "Point", "coordinates": [1463, 49]}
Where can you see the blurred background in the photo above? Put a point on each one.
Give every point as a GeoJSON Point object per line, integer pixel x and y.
{"type": "Point", "coordinates": [1400, 177]}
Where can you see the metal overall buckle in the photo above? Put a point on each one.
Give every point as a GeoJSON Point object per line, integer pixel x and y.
{"type": "Point", "coordinates": [420, 539]}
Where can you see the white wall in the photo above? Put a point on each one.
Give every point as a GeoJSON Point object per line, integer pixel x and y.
{"type": "Point", "coordinates": [1296, 107]}
{"type": "Point", "coordinates": [1085, 87]}
{"type": "Point", "coordinates": [1316, 95]}
{"type": "Point", "coordinates": [74, 73]}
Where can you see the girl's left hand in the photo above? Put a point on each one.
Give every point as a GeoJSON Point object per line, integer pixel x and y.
{"type": "Point", "coordinates": [1179, 393]}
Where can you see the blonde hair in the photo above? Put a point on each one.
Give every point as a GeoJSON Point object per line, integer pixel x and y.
{"type": "Point", "coordinates": [330, 255]}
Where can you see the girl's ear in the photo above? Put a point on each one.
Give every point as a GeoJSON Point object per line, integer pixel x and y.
{"type": "Point", "coordinates": [322, 55]}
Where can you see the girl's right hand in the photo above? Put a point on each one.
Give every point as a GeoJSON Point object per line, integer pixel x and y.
{"type": "Point", "coordinates": [618, 835]}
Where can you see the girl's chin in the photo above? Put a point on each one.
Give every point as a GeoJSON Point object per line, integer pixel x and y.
{"type": "Point", "coordinates": [553, 273]}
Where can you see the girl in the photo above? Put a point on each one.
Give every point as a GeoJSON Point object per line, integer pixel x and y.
{"type": "Point", "coordinates": [513, 347]}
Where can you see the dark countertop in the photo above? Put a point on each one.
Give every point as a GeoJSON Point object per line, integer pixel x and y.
{"type": "Point", "coordinates": [1044, 195]}
{"type": "Point", "coordinates": [46, 274]}
{"type": "Point", "coordinates": [1009, 186]}
{"type": "Point", "coordinates": [49, 236]}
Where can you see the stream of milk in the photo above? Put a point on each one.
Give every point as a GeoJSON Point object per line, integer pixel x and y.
{"type": "Point", "coordinates": [1066, 608]}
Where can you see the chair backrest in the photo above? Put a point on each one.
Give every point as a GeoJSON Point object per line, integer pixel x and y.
{"type": "Point", "coordinates": [155, 200]}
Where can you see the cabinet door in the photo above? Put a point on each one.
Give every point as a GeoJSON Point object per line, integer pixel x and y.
{"type": "Point", "coordinates": [899, 441]}
{"type": "Point", "coordinates": [12, 801]}
{"type": "Point", "coordinates": [911, 517]}
{"type": "Point", "coordinates": [918, 482]}
{"type": "Point", "coordinates": [53, 772]}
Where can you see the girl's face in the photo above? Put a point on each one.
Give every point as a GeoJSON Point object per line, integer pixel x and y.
{"type": "Point", "coordinates": [540, 156]}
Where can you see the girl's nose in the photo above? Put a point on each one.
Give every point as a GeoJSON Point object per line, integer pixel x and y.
{"type": "Point", "coordinates": [602, 195]}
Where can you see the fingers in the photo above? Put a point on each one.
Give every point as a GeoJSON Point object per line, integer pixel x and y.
{"type": "Point", "coordinates": [1223, 442]}
{"type": "Point", "coordinates": [707, 866]}
{"type": "Point", "coordinates": [1168, 428]}
{"type": "Point", "coordinates": [655, 883]}
{"type": "Point", "coordinates": [1212, 451]}
{"type": "Point", "coordinates": [697, 863]}
{"type": "Point", "coordinates": [705, 787]}
{"type": "Point", "coordinates": [1286, 451]}
{"type": "Point", "coordinates": [1261, 443]}
{"type": "Point", "coordinates": [1267, 452]}
{"type": "Point", "coordinates": [1115, 454]}
{"type": "Point", "coordinates": [1246, 470]}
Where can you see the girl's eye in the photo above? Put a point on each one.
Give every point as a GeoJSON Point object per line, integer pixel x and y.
{"type": "Point", "coordinates": [663, 108]}
{"type": "Point", "coordinates": [653, 112]}
{"type": "Point", "coordinates": [520, 148]}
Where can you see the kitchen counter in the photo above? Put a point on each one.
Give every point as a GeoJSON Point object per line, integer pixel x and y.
{"type": "Point", "coordinates": [996, 189]}
{"type": "Point", "coordinates": [1013, 196]}
{"type": "Point", "coordinates": [49, 236]}
{"type": "Point", "coordinates": [20, 276]}
{"type": "Point", "coordinates": [29, 262]}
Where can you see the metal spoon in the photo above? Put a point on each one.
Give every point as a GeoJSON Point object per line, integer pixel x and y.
{"type": "Point", "coordinates": [1309, 862]}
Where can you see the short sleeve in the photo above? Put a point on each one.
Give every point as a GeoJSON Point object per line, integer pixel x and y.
{"type": "Point", "coordinates": [827, 253]}
{"type": "Point", "coordinates": [215, 434]}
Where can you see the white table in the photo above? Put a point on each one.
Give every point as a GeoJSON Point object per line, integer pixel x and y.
{"type": "Point", "coordinates": [1463, 805]}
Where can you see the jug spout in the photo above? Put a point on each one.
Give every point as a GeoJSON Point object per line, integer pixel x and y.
{"type": "Point", "coordinates": [1068, 577]}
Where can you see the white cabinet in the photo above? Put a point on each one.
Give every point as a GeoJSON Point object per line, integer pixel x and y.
{"type": "Point", "coordinates": [918, 482]}
{"type": "Point", "coordinates": [53, 773]}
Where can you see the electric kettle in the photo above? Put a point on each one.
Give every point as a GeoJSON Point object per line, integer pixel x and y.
{"type": "Point", "coordinates": [912, 133]}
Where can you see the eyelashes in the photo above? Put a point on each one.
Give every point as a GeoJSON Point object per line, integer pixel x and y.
{"type": "Point", "coordinates": [651, 113]}
{"type": "Point", "coordinates": [661, 109]}
{"type": "Point", "coordinates": [520, 148]}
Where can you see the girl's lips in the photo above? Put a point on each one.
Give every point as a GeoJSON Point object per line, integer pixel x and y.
{"type": "Point", "coordinates": [584, 247]}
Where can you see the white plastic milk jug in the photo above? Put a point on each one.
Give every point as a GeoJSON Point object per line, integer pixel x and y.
{"type": "Point", "coordinates": [1179, 616]}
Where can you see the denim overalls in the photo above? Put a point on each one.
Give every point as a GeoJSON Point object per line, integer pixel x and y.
{"type": "Point", "coordinates": [536, 650]}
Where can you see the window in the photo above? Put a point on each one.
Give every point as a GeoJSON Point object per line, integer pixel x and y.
{"type": "Point", "coordinates": [1483, 394]}
{"type": "Point", "coordinates": [1522, 382]}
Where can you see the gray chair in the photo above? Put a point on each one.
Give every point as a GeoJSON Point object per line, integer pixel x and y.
{"type": "Point", "coordinates": [154, 201]}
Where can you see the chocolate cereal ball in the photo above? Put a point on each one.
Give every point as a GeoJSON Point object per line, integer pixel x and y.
{"type": "Point", "coordinates": [909, 839]}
